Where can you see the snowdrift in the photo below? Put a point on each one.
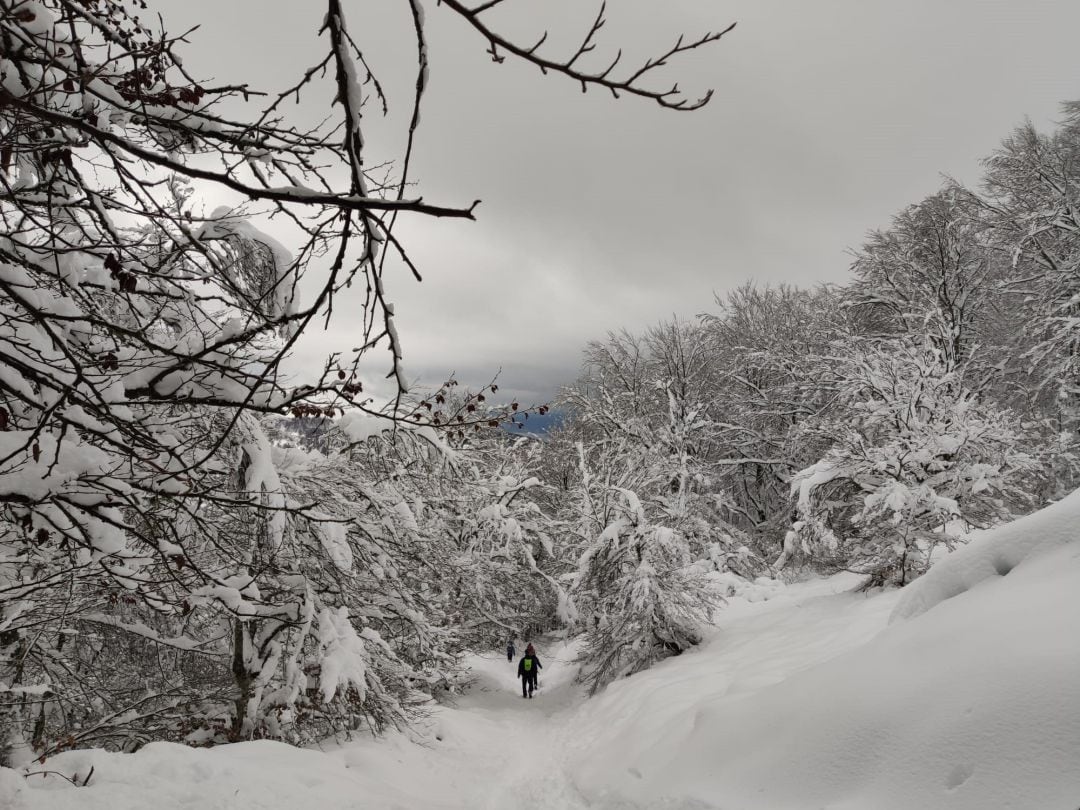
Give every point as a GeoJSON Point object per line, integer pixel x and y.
{"type": "Point", "coordinates": [994, 554]}
{"type": "Point", "coordinates": [164, 776]}
{"type": "Point", "coordinates": [974, 703]}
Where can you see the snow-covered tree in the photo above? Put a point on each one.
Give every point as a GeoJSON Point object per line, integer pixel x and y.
{"type": "Point", "coordinates": [489, 557]}
{"type": "Point", "coordinates": [930, 276]}
{"type": "Point", "coordinates": [1031, 202]}
{"type": "Point", "coordinates": [142, 340]}
{"type": "Point", "coordinates": [640, 598]}
{"type": "Point", "coordinates": [915, 460]}
{"type": "Point", "coordinates": [647, 408]}
{"type": "Point", "coordinates": [773, 346]}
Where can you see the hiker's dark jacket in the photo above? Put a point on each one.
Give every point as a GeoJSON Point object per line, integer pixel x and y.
{"type": "Point", "coordinates": [531, 673]}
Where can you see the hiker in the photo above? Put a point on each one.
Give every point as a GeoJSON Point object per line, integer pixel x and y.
{"type": "Point", "coordinates": [510, 650]}
{"type": "Point", "coordinates": [529, 670]}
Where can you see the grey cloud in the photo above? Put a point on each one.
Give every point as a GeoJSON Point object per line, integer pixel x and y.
{"type": "Point", "coordinates": [828, 117]}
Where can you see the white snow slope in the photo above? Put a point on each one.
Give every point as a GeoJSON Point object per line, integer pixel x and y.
{"type": "Point", "coordinates": [969, 699]}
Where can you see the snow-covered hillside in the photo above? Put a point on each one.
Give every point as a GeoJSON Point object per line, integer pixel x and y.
{"type": "Point", "coordinates": [809, 699]}
{"type": "Point", "coordinates": [973, 704]}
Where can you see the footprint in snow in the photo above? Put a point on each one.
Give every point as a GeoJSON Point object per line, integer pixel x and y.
{"type": "Point", "coordinates": [958, 775]}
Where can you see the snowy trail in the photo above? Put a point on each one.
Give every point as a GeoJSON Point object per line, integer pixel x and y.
{"type": "Point", "coordinates": [493, 749]}
{"type": "Point", "coordinates": [497, 750]}
{"type": "Point", "coordinates": [520, 756]}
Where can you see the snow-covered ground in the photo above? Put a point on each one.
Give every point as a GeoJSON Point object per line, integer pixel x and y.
{"type": "Point", "coordinates": [970, 698]}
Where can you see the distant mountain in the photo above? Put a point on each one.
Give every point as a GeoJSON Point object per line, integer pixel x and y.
{"type": "Point", "coordinates": [536, 424]}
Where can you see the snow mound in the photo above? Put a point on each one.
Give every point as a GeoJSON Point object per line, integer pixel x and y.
{"type": "Point", "coordinates": [732, 586]}
{"type": "Point", "coordinates": [975, 705]}
{"type": "Point", "coordinates": [993, 554]}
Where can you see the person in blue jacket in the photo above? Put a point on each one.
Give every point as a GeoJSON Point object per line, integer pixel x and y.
{"type": "Point", "coordinates": [529, 670]}
{"type": "Point", "coordinates": [510, 650]}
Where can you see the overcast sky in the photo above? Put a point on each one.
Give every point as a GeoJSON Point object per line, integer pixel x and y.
{"type": "Point", "coordinates": [598, 214]}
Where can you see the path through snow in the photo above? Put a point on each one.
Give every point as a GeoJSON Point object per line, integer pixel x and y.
{"type": "Point", "coordinates": [492, 749]}
{"type": "Point", "coordinates": [527, 736]}
{"type": "Point", "coordinates": [497, 750]}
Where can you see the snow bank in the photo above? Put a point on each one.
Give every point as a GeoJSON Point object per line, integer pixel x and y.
{"type": "Point", "coordinates": [993, 554]}
{"type": "Point", "coordinates": [248, 776]}
{"type": "Point", "coordinates": [974, 705]}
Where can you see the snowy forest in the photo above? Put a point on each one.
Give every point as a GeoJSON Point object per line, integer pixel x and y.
{"type": "Point", "coordinates": [200, 548]}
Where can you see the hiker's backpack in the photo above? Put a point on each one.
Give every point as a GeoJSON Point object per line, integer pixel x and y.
{"type": "Point", "coordinates": [528, 664]}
